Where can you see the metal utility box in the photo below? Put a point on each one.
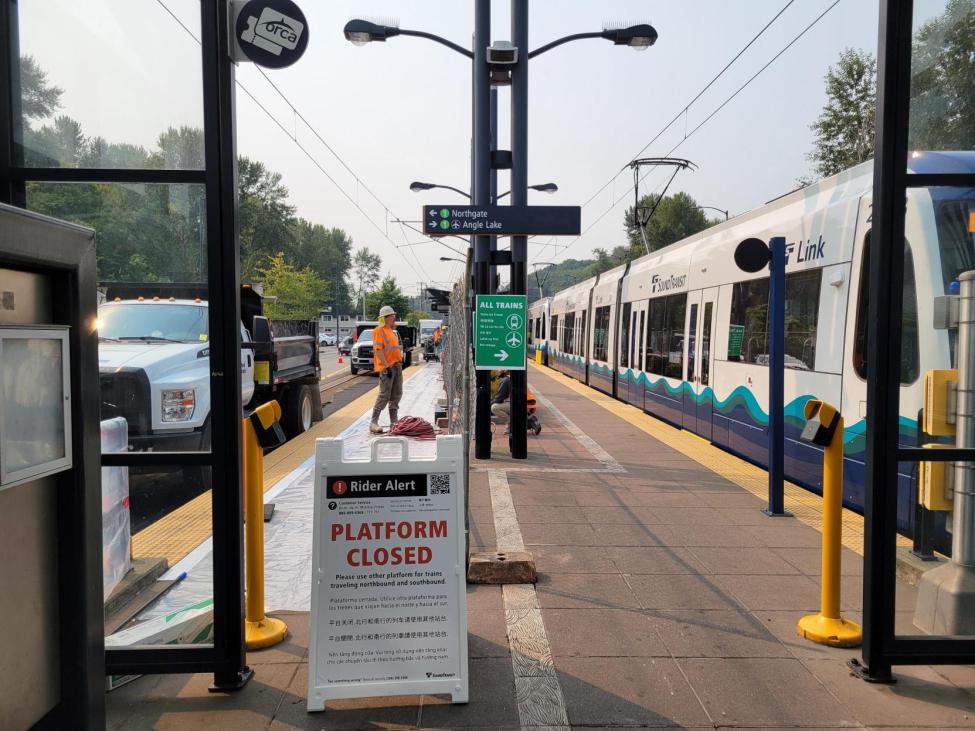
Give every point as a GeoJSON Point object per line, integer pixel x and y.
{"type": "Point", "coordinates": [53, 664]}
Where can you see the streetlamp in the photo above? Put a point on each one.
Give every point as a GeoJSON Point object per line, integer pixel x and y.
{"type": "Point", "coordinates": [719, 210]}
{"type": "Point", "coordinates": [416, 186]}
{"type": "Point", "coordinates": [639, 37]}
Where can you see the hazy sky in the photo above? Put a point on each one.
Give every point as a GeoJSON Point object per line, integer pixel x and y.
{"type": "Point", "coordinates": [400, 111]}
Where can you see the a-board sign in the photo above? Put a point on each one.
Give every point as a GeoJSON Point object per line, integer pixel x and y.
{"type": "Point", "coordinates": [271, 33]}
{"type": "Point", "coordinates": [447, 220]}
{"type": "Point", "coordinates": [389, 594]}
{"type": "Point", "coordinates": [500, 331]}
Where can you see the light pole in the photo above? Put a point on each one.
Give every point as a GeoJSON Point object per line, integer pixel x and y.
{"type": "Point", "coordinates": [416, 186]}
{"type": "Point", "coordinates": [640, 37]}
{"type": "Point", "coordinates": [536, 264]}
{"type": "Point", "coordinates": [719, 210]}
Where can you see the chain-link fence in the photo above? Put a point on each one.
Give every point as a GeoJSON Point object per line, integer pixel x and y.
{"type": "Point", "coordinates": [458, 370]}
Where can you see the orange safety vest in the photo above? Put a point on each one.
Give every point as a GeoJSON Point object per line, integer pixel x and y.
{"type": "Point", "coordinates": [386, 350]}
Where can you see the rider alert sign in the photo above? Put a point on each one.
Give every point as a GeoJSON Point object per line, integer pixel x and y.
{"type": "Point", "coordinates": [389, 601]}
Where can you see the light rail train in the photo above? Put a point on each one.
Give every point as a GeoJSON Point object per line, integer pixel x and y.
{"type": "Point", "coordinates": [683, 334]}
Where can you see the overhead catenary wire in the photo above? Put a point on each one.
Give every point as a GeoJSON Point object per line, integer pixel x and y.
{"type": "Point", "coordinates": [707, 119]}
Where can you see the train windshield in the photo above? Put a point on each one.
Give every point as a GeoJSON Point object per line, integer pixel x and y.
{"type": "Point", "coordinates": [956, 237]}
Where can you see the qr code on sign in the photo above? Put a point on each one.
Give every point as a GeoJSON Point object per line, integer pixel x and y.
{"type": "Point", "coordinates": [440, 484]}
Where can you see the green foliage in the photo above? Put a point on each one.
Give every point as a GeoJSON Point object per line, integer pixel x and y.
{"type": "Point", "coordinates": [390, 294]}
{"type": "Point", "coordinates": [845, 129]}
{"type": "Point", "coordinates": [365, 272]}
{"type": "Point", "coordinates": [39, 98]}
{"type": "Point", "coordinates": [298, 293]}
{"type": "Point", "coordinates": [413, 319]}
{"type": "Point", "coordinates": [676, 217]}
{"type": "Point", "coordinates": [943, 81]}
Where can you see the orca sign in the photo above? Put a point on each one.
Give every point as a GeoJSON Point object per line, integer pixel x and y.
{"type": "Point", "coordinates": [271, 33]}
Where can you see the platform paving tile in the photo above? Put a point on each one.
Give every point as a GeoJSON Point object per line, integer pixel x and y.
{"type": "Point", "coordinates": [715, 633]}
{"type": "Point", "coordinates": [619, 515]}
{"type": "Point", "coordinates": [706, 535]}
{"type": "Point", "coordinates": [731, 500]}
{"type": "Point", "coordinates": [742, 560]}
{"type": "Point", "coordinates": [921, 694]}
{"type": "Point", "coordinates": [642, 692]}
{"type": "Point", "coordinates": [681, 516]}
{"type": "Point", "coordinates": [615, 534]}
{"type": "Point", "coordinates": [654, 559]}
{"type": "Point", "coordinates": [680, 591]}
{"type": "Point", "coordinates": [558, 534]}
{"type": "Point", "coordinates": [293, 649]}
{"type": "Point", "coordinates": [661, 498]}
{"type": "Point", "coordinates": [607, 497]}
{"type": "Point", "coordinates": [785, 533]}
{"type": "Point", "coordinates": [573, 560]}
{"type": "Point", "coordinates": [763, 692]}
{"type": "Point", "coordinates": [492, 699]}
{"type": "Point", "coordinates": [550, 514]}
{"type": "Point", "coordinates": [758, 592]}
{"type": "Point", "coordinates": [585, 591]}
{"type": "Point", "coordinates": [602, 633]}
{"type": "Point", "coordinates": [487, 633]}
{"type": "Point", "coordinates": [554, 498]}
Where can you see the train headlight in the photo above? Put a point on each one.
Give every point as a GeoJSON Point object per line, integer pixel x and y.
{"type": "Point", "coordinates": [178, 404]}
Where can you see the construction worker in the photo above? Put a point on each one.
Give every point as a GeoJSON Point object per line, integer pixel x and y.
{"type": "Point", "coordinates": [387, 358]}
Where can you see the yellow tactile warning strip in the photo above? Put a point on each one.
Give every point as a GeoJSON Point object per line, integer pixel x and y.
{"type": "Point", "coordinates": [805, 505]}
{"type": "Point", "coordinates": [176, 534]}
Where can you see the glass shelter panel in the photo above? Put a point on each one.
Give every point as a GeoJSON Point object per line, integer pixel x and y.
{"type": "Point", "coordinates": [132, 99]}
{"type": "Point", "coordinates": [942, 102]}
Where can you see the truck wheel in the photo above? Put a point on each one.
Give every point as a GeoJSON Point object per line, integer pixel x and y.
{"type": "Point", "coordinates": [353, 369]}
{"type": "Point", "coordinates": [409, 359]}
{"type": "Point", "coordinates": [297, 412]}
{"type": "Point", "coordinates": [197, 477]}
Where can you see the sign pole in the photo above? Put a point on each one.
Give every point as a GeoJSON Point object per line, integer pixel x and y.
{"type": "Point", "coordinates": [776, 380]}
{"type": "Point", "coordinates": [481, 196]}
{"type": "Point", "coordinates": [518, 435]}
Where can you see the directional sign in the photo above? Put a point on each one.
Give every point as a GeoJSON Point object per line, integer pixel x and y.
{"type": "Point", "coordinates": [501, 220]}
{"type": "Point", "coordinates": [499, 332]}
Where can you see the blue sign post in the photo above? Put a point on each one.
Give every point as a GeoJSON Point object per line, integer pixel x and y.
{"type": "Point", "coordinates": [751, 256]}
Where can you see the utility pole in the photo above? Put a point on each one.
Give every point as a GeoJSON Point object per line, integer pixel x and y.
{"type": "Point", "coordinates": [481, 196]}
{"type": "Point", "coordinates": [518, 436]}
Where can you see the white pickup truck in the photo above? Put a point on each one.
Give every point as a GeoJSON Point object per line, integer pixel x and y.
{"type": "Point", "coordinates": [154, 363]}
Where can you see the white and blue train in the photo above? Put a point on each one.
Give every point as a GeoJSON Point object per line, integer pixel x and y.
{"type": "Point", "coordinates": [683, 334]}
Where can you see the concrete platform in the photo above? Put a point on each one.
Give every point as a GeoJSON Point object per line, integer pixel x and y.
{"type": "Point", "coordinates": [665, 599]}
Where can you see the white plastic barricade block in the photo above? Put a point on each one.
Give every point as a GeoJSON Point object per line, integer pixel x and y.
{"type": "Point", "coordinates": [389, 594]}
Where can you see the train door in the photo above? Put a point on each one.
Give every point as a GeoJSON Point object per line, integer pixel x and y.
{"type": "Point", "coordinates": [689, 389]}
{"type": "Point", "coordinates": [705, 361]}
{"type": "Point", "coordinates": [637, 387]}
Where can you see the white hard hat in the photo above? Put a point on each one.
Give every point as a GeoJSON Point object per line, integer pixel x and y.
{"type": "Point", "coordinates": [387, 310]}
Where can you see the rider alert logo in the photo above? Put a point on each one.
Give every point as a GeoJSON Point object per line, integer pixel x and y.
{"type": "Point", "coordinates": [339, 487]}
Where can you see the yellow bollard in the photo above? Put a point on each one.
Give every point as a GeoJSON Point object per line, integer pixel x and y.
{"type": "Point", "coordinates": [259, 630]}
{"type": "Point", "coordinates": [825, 427]}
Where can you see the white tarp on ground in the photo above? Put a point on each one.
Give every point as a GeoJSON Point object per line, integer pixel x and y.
{"type": "Point", "coordinates": [287, 538]}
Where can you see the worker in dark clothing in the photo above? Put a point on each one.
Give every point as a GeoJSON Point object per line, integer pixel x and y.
{"type": "Point", "coordinates": [500, 406]}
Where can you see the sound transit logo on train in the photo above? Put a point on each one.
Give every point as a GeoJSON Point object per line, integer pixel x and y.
{"type": "Point", "coordinates": [376, 486]}
{"type": "Point", "coordinates": [666, 284]}
{"type": "Point", "coordinates": [805, 251]}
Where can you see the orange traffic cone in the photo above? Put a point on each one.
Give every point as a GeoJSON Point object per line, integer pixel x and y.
{"type": "Point", "coordinates": [340, 358]}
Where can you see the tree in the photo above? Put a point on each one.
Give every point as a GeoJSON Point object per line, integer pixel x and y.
{"type": "Point", "coordinates": [298, 293]}
{"type": "Point", "coordinates": [39, 98]}
{"type": "Point", "coordinates": [943, 81]}
{"type": "Point", "coordinates": [388, 293]}
{"type": "Point", "coordinates": [266, 217]}
{"type": "Point", "coordinates": [845, 129]}
{"type": "Point", "coordinates": [327, 251]}
{"type": "Point", "coordinates": [413, 319]}
{"type": "Point", "coordinates": [365, 271]}
{"type": "Point", "coordinates": [676, 217]}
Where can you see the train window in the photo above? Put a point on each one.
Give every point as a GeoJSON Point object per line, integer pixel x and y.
{"type": "Point", "coordinates": [531, 331]}
{"type": "Point", "coordinates": [600, 334]}
{"type": "Point", "coordinates": [553, 333]}
{"type": "Point", "coordinates": [956, 238]}
{"type": "Point", "coordinates": [568, 332]}
{"type": "Point", "coordinates": [639, 341]}
{"type": "Point", "coordinates": [583, 326]}
{"type": "Point", "coordinates": [665, 336]}
{"type": "Point", "coordinates": [691, 343]}
{"type": "Point", "coordinates": [748, 334]}
{"type": "Point", "coordinates": [910, 355]}
{"type": "Point", "coordinates": [706, 345]}
{"type": "Point", "coordinates": [625, 336]}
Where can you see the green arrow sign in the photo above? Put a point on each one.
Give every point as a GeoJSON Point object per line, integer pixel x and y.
{"type": "Point", "coordinates": [499, 331]}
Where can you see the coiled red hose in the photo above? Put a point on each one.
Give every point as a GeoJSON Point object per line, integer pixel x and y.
{"type": "Point", "coordinates": [413, 427]}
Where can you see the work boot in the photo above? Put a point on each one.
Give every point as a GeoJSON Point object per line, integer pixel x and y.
{"type": "Point", "coordinates": [393, 417]}
{"type": "Point", "coordinates": [374, 428]}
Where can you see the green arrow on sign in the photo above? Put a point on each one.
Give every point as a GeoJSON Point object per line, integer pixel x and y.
{"type": "Point", "coordinates": [500, 332]}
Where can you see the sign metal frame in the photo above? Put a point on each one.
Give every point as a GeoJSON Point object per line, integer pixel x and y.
{"type": "Point", "coordinates": [384, 462]}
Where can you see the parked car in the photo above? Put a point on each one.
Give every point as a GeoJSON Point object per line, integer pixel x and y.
{"type": "Point", "coordinates": [345, 347]}
{"type": "Point", "coordinates": [326, 339]}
